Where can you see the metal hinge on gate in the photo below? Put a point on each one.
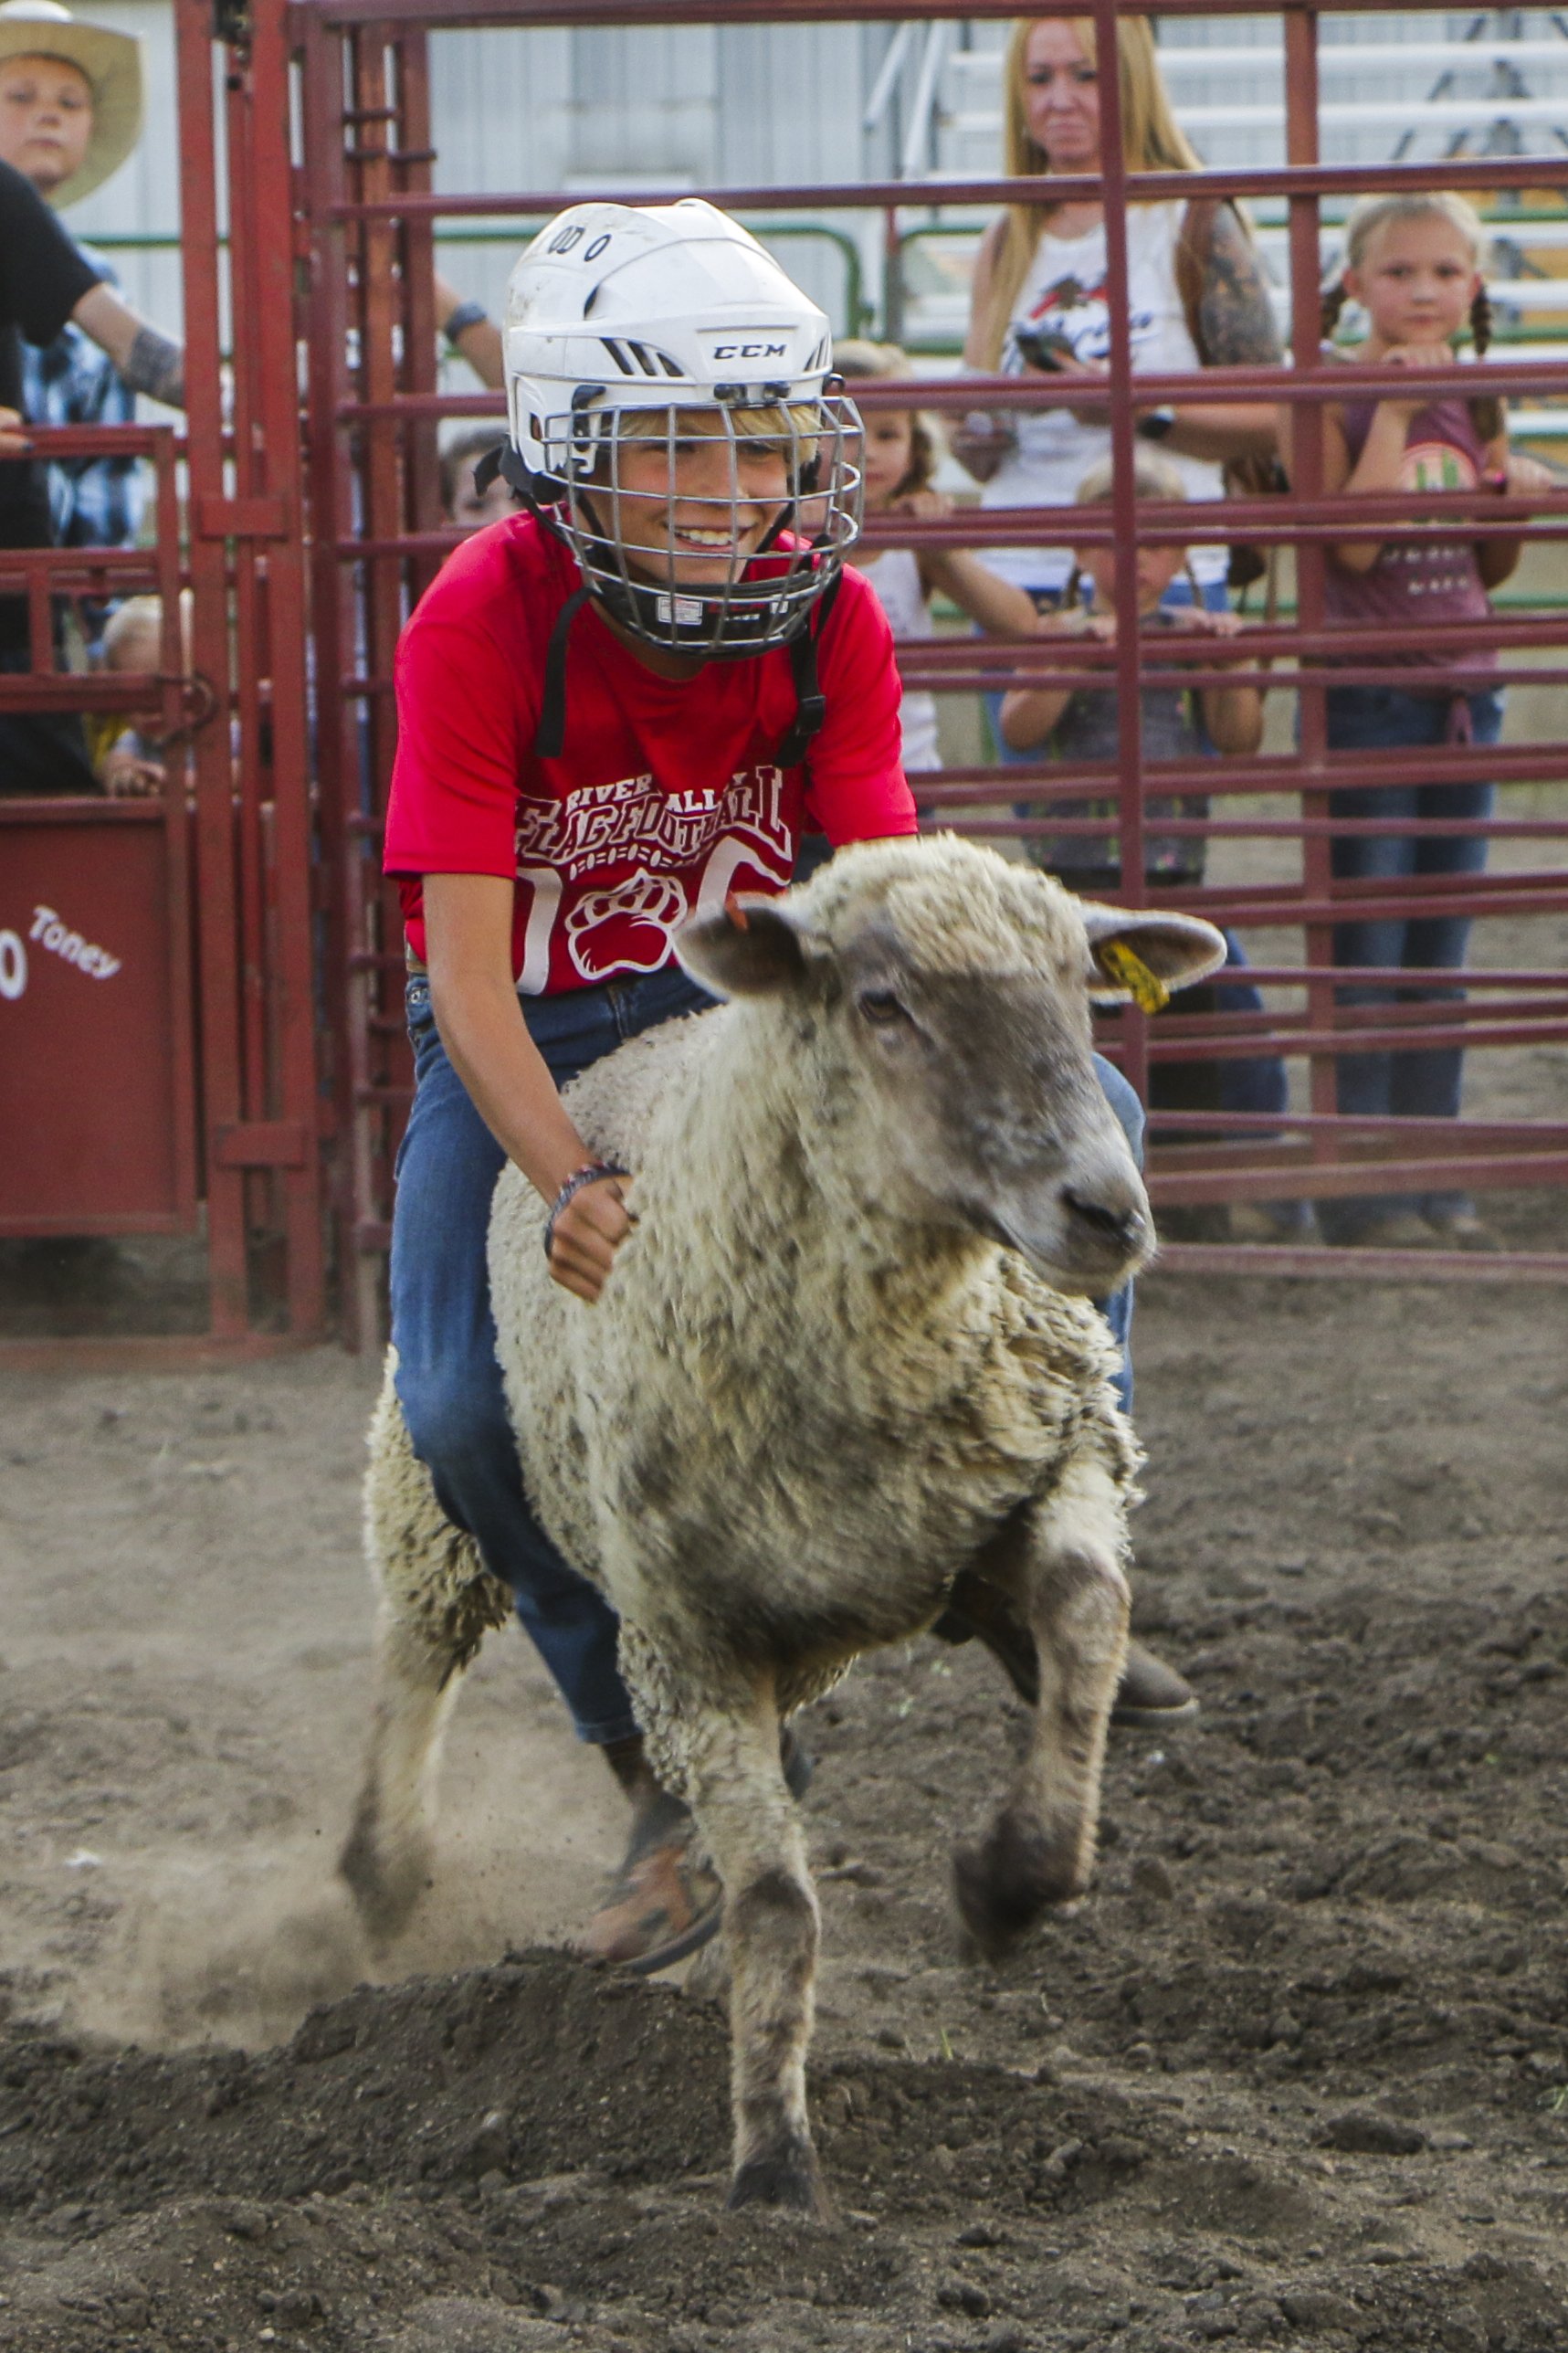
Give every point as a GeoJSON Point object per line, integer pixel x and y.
{"type": "Point", "coordinates": [261, 1144]}
{"type": "Point", "coordinates": [241, 518]}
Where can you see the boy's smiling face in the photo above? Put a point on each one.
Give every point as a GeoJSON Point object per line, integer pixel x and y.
{"type": "Point", "coordinates": [696, 509]}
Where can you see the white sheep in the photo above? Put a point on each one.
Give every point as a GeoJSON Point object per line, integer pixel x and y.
{"type": "Point", "coordinates": [847, 1358]}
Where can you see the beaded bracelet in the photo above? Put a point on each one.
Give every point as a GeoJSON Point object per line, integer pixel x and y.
{"type": "Point", "coordinates": [591, 1172]}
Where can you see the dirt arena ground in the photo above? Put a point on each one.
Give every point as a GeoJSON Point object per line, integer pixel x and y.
{"type": "Point", "coordinates": [1295, 2074]}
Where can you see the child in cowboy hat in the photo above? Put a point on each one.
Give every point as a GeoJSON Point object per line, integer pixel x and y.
{"type": "Point", "coordinates": [71, 98]}
{"type": "Point", "coordinates": [70, 114]}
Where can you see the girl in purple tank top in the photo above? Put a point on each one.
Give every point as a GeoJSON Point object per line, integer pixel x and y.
{"type": "Point", "coordinates": [1414, 264]}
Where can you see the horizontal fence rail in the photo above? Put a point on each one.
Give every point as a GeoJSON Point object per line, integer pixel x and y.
{"type": "Point", "coordinates": [367, 214]}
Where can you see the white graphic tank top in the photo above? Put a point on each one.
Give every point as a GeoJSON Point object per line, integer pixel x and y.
{"type": "Point", "coordinates": [1064, 295]}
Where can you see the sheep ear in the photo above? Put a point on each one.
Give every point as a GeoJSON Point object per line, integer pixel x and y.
{"type": "Point", "coordinates": [1173, 950]}
{"type": "Point", "coordinates": [752, 946]}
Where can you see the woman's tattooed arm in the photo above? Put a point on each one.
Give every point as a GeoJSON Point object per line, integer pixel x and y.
{"type": "Point", "coordinates": [148, 360]}
{"type": "Point", "coordinates": [1235, 312]}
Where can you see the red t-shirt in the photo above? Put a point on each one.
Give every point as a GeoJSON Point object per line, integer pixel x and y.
{"type": "Point", "coordinates": [666, 795]}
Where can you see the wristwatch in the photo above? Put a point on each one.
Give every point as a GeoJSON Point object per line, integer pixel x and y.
{"type": "Point", "coordinates": [1156, 425]}
{"type": "Point", "coordinates": [466, 315]}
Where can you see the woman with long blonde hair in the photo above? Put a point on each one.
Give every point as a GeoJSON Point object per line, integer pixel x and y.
{"type": "Point", "coordinates": [1196, 289]}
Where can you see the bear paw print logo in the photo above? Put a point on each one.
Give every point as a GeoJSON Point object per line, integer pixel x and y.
{"type": "Point", "coordinates": [628, 926]}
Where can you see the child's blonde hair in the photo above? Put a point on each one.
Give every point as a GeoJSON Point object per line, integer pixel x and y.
{"type": "Point", "coordinates": [139, 616]}
{"type": "Point", "coordinates": [1372, 214]}
{"type": "Point", "coordinates": [793, 428]}
{"type": "Point", "coordinates": [859, 360]}
{"type": "Point", "coordinates": [1153, 477]}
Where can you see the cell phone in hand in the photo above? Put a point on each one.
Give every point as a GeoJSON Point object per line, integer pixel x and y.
{"type": "Point", "coordinates": [1042, 351]}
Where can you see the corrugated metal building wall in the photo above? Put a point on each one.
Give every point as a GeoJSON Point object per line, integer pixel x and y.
{"type": "Point", "coordinates": [683, 109]}
{"type": "Point", "coordinates": [686, 108]}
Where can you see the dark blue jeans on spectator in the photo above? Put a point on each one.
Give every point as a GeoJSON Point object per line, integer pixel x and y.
{"type": "Point", "coordinates": [1422, 1084]}
{"type": "Point", "coordinates": [448, 1379]}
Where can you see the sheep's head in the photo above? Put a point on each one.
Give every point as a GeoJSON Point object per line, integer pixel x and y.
{"type": "Point", "coordinates": [946, 995]}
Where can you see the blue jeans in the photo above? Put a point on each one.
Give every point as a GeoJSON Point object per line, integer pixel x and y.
{"type": "Point", "coordinates": [1410, 1084]}
{"type": "Point", "coordinates": [448, 1379]}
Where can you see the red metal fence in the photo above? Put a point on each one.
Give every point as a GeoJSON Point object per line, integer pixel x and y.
{"type": "Point", "coordinates": [313, 523]}
{"type": "Point", "coordinates": [188, 1075]}
{"type": "Point", "coordinates": [368, 214]}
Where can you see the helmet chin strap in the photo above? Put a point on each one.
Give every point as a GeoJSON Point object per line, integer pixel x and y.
{"type": "Point", "coordinates": [534, 490]}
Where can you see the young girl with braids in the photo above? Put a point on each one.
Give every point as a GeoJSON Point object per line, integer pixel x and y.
{"type": "Point", "coordinates": [1413, 263]}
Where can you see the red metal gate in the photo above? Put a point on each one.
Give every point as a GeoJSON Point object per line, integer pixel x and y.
{"type": "Point", "coordinates": [178, 1067]}
{"type": "Point", "coordinates": [367, 217]}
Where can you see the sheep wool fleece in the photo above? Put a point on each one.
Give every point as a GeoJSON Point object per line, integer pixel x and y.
{"type": "Point", "coordinates": [777, 1438]}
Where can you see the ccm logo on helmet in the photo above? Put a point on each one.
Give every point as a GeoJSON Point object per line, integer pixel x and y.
{"type": "Point", "coordinates": [750, 351]}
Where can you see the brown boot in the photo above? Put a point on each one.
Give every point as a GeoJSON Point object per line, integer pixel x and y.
{"type": "Point", "coordinates": [666, 1900]}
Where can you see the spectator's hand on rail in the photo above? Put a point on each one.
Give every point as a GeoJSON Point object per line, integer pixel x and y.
{"type": "Point", "coordinates": [922, 506]}
{"type": "Point", "coordinates": [1428, 357]}
{"type": "Point", "coordinates": [1523, 476]}
{"type": "Point", "coordinates": [1072, 621]}
{"type": "Point", "coordinates": [588, 1233]}
{"type": "Point", "coordinates": [1202, 623]}
{"type": "Point", "coordinates": [127, 776]}
{"type": "Point", "coordinates": [13, 440]}
{"type": "Point", "coordinates": [1210, 625]}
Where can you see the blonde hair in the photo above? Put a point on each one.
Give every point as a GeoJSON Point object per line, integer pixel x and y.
{"type": "Point", "coordinates": [139, 616]}
{"type": "Point", "coordinates": [1151, 140]}
{"type": "Point", "coordinates": [862, 362]}
{"type": "Point", "coordinates": [799, 423]}
{"type": "Point", "coordinates": [1153, 477]}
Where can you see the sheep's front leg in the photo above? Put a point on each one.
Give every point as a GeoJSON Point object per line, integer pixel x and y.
{"type": "Point", "coordinates": [1039, 1850]}
{"type": "Point", "coordinates": [752, 1830]}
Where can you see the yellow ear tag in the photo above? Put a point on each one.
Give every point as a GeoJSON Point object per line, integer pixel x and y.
{"type": "Point", "coordinates": [1148, 992]}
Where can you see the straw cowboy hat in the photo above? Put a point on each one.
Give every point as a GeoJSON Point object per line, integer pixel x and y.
{"type": "Point", "coordinates": [111, 63]}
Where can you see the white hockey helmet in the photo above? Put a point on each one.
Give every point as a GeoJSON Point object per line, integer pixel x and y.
{"type": "Point", "coordinates": [621, 321]}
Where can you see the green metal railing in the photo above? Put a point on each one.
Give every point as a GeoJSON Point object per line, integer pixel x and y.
{"type": "Point", "coordinates": [853, 317]}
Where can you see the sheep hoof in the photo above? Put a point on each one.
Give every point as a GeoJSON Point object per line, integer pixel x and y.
{"type": "Point", "coordinates": [785, 2177]}
{"type": "Point", "coordinates": [386, 1891]}
{"type": "Point", "coordinates": [1004, 1884]}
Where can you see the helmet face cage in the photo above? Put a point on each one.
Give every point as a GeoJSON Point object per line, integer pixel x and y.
{"type": "Point", "coordinates": [633, 543]}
